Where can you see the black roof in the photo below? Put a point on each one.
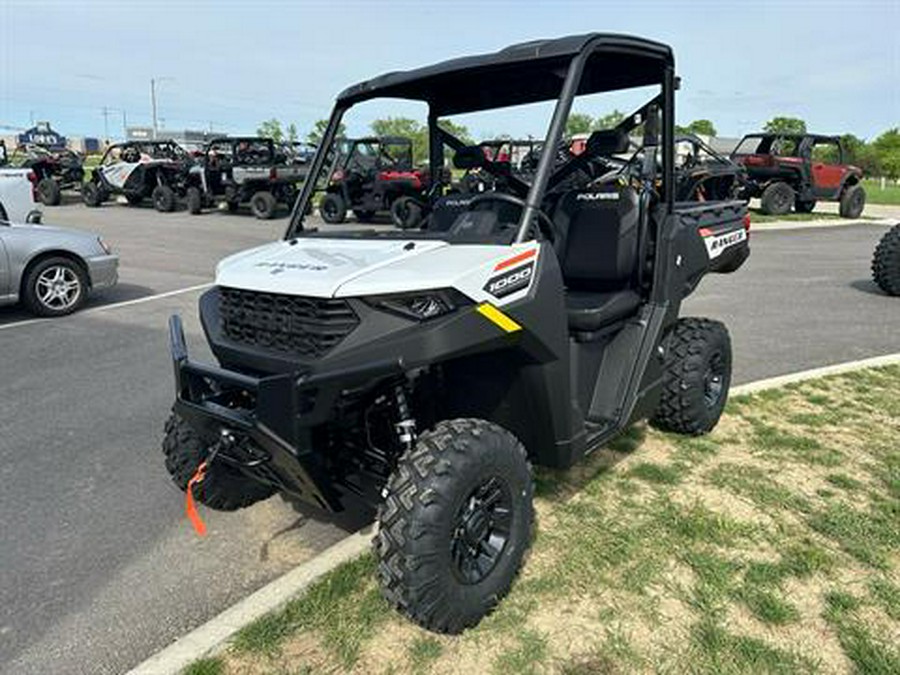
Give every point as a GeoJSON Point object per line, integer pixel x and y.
{"type": "Point", "coordinates": [788, 134]}
{"type": "Point", "coordinates": [387, 140]}
{"type": "Point", "coordinates": [523, 73]}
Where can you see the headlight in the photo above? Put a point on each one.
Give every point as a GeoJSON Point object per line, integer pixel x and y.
{"type": "Point", "coordinates": [106, 247]}
{"type": "Point", "coordinates": [422, 305]}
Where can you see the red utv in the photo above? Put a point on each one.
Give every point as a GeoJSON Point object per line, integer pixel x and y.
{"type": "Point", "coordinates": [798, 170]}
{"type": "Point", "coordinates": [370, 177]}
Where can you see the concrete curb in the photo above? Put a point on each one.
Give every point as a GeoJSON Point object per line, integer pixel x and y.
{"type": "Point", "coordinates": [211, 637]}
{"type": "Point", "coordinates": [836, 369]}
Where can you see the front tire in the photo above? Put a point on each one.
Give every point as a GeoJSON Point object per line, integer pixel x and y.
{"type": "Point", "coordinates": [406, 213]}
{"type": "Point", "coordinates": [224, 488]}
{"type": "Point", "coordinates": [163, 198]}
{"type": "Point", "coordinates": [194, 200]}
{"type": "Point", "coordinates": [333, 209]}
{"type": "Point", "coordinates": [263, 204]}
{"type": "Point", "coordinates": [853, 201]}
{"type": "Point", "coordinates": [455, 524]}
{"type": "Point", "coordinates": [92, 194]}
{"type": "Point", "coordinates": [696, 378]}
{"type": "Point", "coordinates": [49, 192]}
{"type": "Point", "coordinates": [55, 287]}
{"type": "Point", "coordinates": [886, 262]}
{"type": "Point", "coordinates": [777, 198]}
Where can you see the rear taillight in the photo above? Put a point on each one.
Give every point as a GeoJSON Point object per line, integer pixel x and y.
{"type": "Point", "coordinates": [33, 179]}
{"type": "Point", "coordinates": [273, 173]}
{"type": "Point", "coordinates": [747, 222]}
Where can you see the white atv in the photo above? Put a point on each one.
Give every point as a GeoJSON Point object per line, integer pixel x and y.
{"type": "Point", "coordinates": [425, 371]}
{"type": "Point", "coordinates": [139, 170]}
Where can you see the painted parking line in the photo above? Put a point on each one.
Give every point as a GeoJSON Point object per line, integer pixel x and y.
{"type": "Point", "coordinates": [212, 637]}
{"type": "Point", "coordinates": [115, 305]}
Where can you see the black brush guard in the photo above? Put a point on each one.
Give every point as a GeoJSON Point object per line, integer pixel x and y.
{"type": "Point", "coordinates": [263, 425]}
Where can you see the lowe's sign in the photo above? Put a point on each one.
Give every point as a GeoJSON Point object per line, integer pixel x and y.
{"type": "Point", "coordinates": [43, 134]}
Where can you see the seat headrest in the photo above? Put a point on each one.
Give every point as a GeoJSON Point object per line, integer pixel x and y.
{"type": "Point", "coordinates": [468, 157]}
{"type": "Point", "coordinates": [607, 142]}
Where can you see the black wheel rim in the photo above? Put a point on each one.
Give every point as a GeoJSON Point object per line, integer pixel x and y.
{"type": "Point", "coordinates": [714, 381]}
{"type": "Point", "coordinates": [481, 530]}
{"type": "Point", "coordinates": [330, 209]}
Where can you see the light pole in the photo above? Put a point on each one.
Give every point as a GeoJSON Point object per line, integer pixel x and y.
{"type": "Point", "coordinates": [153, 81]}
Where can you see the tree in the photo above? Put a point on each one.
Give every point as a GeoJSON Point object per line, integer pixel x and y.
{"type": "Point", "coordinates": [318, 131]}
{"type": "Point", "coordinates": [271, 129]}
{"type": "Point", "coordinates": [407, 128]}
{"type": "Point", "coordinates": [292, 132]}
{"type": "Point", "coordinates": [579, 123]}
{"type": "Point", "coordinates": [458, 130]}
{"type": "Point", "coordinates": [887, 150]}
{"type": "Point", "coordinates": [785, 125]}
{"type": "Point", "coordinates": [700, 127]}
{"type": "Point", "coordinates": [609, 120]}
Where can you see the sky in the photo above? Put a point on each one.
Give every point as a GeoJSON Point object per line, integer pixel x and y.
{"type": "Point", "coordinates": [228, 65]}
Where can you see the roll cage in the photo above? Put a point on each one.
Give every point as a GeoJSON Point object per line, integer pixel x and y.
{"type": "Point", "coordinates": [531, 72]}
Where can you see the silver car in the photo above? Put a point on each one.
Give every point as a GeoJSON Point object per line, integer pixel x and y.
{"type": "Point", "coordinates": [52, 270]}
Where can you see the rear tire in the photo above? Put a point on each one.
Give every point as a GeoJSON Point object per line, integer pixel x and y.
{"type": "Point", "coordinates": [263, 204]}
{"type": "Point", "coordinates": [49, 192]}
{"type": "Point", "coordinates": [92, 194]}
{"type": "Point", "coordinates": [455, 524]}
{"type": "Point", "coordinates": [801, 206]}
{"type": "Point", "coordinates": [333, 209]}
{"type": "Point", "coordinates": [886, 262]}
{"type": "Point", "coordinates": [406, 213]}
{"type": "Point", "coordinates": [224, 488]}
{"type": "Point", "coordinates": [853, 201]}
{"type": "Point", "coordinates": [194, 200]}
{"type": "Point", "coordinates": [777, 198]}
{"type": "Point", "coordinates": [697, 377]}
{"type": "Point", "coordinates": [163, 198]}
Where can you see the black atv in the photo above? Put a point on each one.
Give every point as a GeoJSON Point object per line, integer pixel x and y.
{"type": "Point", "coordinates": [57, 169]}
{"type": "Point", "coordinates": [245, 170]}
{"type": "Point", "coordinates": [425, 372]}
{"type": "Point", "coordinates": [139, 170]}
{"type": "Point", "coordinates": [703, 174]}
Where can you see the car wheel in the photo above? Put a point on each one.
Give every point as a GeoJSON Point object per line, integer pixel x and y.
{"type": "Point", "coordinates": [853, 201]}
{"type": "Point", "coordinates": [194, 200]}
{"type": "Point", "coordinates": [696, 377]}
{"type": "Point", "coordinates": [163, 198]}
{"type": "Point", "coordinates": [777, 199]}
{"type": "Point", "coordinates": [223, 488]}
{"type": "Point", "coordinates": [55, 287]}
{"type": "Point", "coordinates": [92, 195]}
{"type": "Point", "coordinates": [332, 209]}
{"type": "Point", "coordinates": [804, 206]}
{"type": "Point", "coordinates": [263, 205]}
{"type": "Point", "coordinates": [455, 524]}
{"type": "Point", "coordinates": [886, 262]}
{"type": "Point", "coordinates": [49, 192]}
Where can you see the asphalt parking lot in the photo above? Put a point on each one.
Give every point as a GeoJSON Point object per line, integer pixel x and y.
{"type": "Point", "coordinates": [100, 567]}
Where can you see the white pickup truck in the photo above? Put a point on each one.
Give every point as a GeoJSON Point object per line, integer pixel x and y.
{"type": "Point", "coordinates": [18, 193]}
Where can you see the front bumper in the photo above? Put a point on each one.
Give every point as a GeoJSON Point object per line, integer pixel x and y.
{"type": "Point", "coordinates": [103, 270]}
{"type": "Point", "coordinates": [271, 418]}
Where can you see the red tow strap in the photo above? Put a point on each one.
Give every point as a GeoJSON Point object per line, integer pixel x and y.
{"type": "Point", "coordinates": [190, 507]}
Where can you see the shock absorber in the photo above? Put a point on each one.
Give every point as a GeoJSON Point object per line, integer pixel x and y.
{"type": "Point", "coordinates": [406, 426]}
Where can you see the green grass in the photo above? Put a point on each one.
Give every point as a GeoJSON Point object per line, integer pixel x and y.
{"type": "Point", "coordinates": [875, 195]}
{"type": "Point", "coordinates": [757, 216]}
{"type": "Point", "coordinates": [208, 666]}
{"type": "Point", "coordinates": [629, 551]}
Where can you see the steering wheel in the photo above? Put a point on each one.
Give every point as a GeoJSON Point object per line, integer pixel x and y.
{"type": "Point", "coordinates": [545, 225]}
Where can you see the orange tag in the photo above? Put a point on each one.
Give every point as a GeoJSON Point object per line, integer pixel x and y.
{"type": "Point", "coordinates": [190, 507]}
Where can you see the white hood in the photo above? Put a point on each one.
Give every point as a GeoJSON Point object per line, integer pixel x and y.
{"type": "Point", "coordinates": [314, 267]}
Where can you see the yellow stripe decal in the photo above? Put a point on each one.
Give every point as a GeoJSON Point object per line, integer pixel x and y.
{"type": "Point", "coordinates": [490, 312]}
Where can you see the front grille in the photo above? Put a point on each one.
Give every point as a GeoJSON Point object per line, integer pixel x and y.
{"type": "Point", "coordinates": [309, 327]}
